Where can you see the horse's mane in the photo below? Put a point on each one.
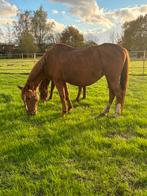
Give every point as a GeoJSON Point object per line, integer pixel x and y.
{"type": "Point", "coordinates": [37, 69]}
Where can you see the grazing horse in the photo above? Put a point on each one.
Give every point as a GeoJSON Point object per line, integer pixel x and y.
{"type": "Point", "coordinates": [81, 67]}
{"type": "Point", "coordinates": [43, 89]}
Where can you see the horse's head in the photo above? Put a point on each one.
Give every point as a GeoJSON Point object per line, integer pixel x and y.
{"type": "Point", "coordinates": [30, 99]}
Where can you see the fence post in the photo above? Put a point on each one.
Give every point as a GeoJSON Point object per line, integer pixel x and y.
{"type": "Point", "coordinates": [144, 61]}
{"type": "Point", "coordinates": [34, 57]}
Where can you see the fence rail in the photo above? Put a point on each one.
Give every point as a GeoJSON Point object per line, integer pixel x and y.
{"type": "Point", "coordinates": [20, 55]}
{"type": "Point", "coordinates": [23, 63]}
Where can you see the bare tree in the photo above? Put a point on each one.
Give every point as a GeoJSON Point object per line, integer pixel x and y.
{"type": "Point", "coordinates": [41, 28]}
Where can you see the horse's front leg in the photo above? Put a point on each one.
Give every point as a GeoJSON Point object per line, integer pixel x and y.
{"type": "Point", "coordinates": [61, 90]}
{"type": "Point", "coordinates": [67, 97]}
{"type": "Point", "coordinates": [43, 89]}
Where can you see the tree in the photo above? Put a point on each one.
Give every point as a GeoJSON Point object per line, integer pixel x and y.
{"type": "Point", "coordinates": [23, 24]}
{"type": "Point", "coordinates": [26, 43]}
{"type": "Point", "coordinates": [115, 37]}
{"type": "Point", "coordinates": [2, 35]}
{"type": "Point", "coordinates": [41, 28]}
{"type": "Point", "coordinates": [90, 43]}
{"type": "Point", "coordinates": [72, 36]}
{"type": "Point", "coordinates": [135, 34]}
{"type": "Point", "coordinates": [34, 26]}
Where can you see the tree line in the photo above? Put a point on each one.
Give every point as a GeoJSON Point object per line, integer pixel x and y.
{"type": "Point", "coordinates": [135, 34]}
{"type": "Point", "coordinates": [33, 32]}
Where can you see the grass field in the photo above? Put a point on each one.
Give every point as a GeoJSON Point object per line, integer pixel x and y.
{"type": "Point", "coordinates": [78, 154]}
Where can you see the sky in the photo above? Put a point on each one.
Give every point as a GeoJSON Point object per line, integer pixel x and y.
{"type": "Point", "coordinates": [98, 20]}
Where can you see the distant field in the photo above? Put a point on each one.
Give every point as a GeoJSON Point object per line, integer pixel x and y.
{"type": "Point", "coordinates": [16, 65]}
{"type": "Point", "coordinates": [76, 155]}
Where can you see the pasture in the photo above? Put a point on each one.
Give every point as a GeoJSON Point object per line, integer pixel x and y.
{"type": "Point", "coordinates": [79, 154]}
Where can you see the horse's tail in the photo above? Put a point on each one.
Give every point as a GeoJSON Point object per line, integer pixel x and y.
{"type": "Point", "coordinates": [124, 77]}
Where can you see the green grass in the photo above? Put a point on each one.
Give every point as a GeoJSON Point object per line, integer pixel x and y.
{"type": "Point", "coordinates": [78, 154]}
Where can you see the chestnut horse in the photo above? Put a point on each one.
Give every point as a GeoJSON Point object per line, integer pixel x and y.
{"type": "Point", "coordinates": [81, 67]}
{"type": "Point", "coordinates": [43, 90]}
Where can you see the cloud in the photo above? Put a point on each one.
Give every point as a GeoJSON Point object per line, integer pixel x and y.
{"type": "Point", "coordinates": [110, 21]}
{"type": "Point", "coordinates": [87, 11]}
{"type": "Point", "coordinates": [59, 27]}
{"type": "Point", "coordinates": [126, 14]}
{"type": "Point", "coordinates": [58, 12]}
{"type": "Point", "coordinates": [5, 20]}
{"type": "Point", "coordinates": [63, 12]}
{"type": "Point", "coordinates": [55, 11]}
{"type": "Point", "coordinates": [105, 35]}
{"type": "Point", "coordinates": [90, 12]}
{"type": "Point", "coordinates": [7, 11]}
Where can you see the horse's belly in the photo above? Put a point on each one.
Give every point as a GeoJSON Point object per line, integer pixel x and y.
{"type": "Point", "coordinates": [83, 78]}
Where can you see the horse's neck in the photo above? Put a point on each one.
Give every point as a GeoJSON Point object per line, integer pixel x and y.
{"type": "Point", "coordinates": [36, 75]}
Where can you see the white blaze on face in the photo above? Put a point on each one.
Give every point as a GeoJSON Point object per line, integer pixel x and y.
{"type": "Point", "coordinates": [26, 107]}
{"type": "Point", "coordinates": [24, 99]}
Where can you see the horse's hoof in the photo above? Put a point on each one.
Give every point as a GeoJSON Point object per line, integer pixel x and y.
{"type": "Point", "coordinates": [69, 108]}
{"type": "Point", "coordinates": [42, 101]}
{"type": "Point", "coordinates": [77, 100]}
{"type": "Point", "coordinates": [63, 113]}
{"type": "Point", "coordinates": [116, 115]}
{"type": "Point", "coordinates": [103, 114]}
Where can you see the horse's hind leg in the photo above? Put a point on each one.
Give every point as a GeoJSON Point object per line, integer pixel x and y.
{"type": "Point", "coordinates": [67, 97]}
{"type": "Point", "coordinates": [79, 93]}
{"type": "Point", "coordinates": [61, 90]}
{"type": "Point", "coordinates": [119, 97]}
{"type": "Point", "coordinates": [119, 102]}
{"type": "Point", "coordinates": [84, 92]}
{"type": "Point", "coordinates": [52, 89]}
{"type": "Point", "coordinates": [111, 98]}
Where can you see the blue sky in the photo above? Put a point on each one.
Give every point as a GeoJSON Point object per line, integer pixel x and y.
{"type": "Point", "coordinates": [98, 20]}
{"type": "Point", "coordinates": [107, 4]}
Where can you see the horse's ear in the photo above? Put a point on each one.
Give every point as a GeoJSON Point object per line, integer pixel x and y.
{"type": "Point", "coordinates": [20, 87]}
